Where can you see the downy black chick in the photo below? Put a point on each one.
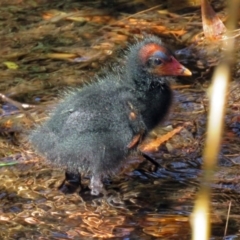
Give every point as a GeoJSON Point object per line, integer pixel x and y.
{"type": "Point", "coordinates": [96, 127]}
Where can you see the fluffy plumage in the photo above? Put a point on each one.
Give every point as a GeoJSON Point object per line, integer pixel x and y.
{"type": "Point", "coordinates": [95, 128]}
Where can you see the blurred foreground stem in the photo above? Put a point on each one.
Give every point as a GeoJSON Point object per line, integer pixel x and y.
{"type": "Point", "coordinates": [201, 213]}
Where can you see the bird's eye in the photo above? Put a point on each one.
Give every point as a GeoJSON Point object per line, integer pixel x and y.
{"type": "Point", "coordinates": [153, 62]}
{"type": "Point", "coordinates": [157, 61]}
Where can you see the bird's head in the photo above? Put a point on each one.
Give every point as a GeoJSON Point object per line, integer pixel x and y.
{"type": "Point", "coordinates": [150, 61]}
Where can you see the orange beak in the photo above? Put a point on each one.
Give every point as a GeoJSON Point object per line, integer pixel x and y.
{"type": "Point", "coordinates": [172, 68]}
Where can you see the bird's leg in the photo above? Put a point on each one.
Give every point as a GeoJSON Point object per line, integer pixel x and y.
{"type": "Point", "coordinates": [153, 161]}
{"type": "Point", "coordinates": [96, 185]}
{"type": "Point", "coordinates": [71, 182]}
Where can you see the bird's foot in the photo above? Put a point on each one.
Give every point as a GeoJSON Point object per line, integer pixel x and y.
{"type": "Point", "coordinates": [71, 182]}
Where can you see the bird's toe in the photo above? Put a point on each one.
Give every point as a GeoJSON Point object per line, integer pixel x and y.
{"type": "Point", "coordinates": [96, 186]}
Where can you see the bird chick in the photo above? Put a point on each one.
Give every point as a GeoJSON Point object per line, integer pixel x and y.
{"type": "Point", "coordinates": [96, 127]}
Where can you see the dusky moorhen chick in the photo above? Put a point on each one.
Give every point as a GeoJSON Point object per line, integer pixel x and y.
{"type": "Point", "coordinates": [96, 127]}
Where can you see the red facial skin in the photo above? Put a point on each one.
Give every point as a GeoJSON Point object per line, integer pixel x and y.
{"type": "Point", "coordinates": [169, 65]}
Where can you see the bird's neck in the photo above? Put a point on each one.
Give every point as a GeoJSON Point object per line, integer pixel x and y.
{"type": "Point", "coordinates": [146, 83]}
{"type": "Point", "coordinates": [154, 99]}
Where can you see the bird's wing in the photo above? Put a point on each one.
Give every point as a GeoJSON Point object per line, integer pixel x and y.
{"type": "Point", "coordinates": [136, 123]}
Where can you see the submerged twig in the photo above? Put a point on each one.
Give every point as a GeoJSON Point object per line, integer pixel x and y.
{"type": "Point", "coordinates": [226, 226]}
{"type": "Point", "coordinates": [16, 103]}
{"type": "Point", "coordinates": [8, 164]}
{"type": "Point", "coordinates": [21, 106]}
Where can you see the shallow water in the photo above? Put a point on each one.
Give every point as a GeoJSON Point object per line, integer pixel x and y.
{"type": "Point", "coordinates": [143, 202]}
